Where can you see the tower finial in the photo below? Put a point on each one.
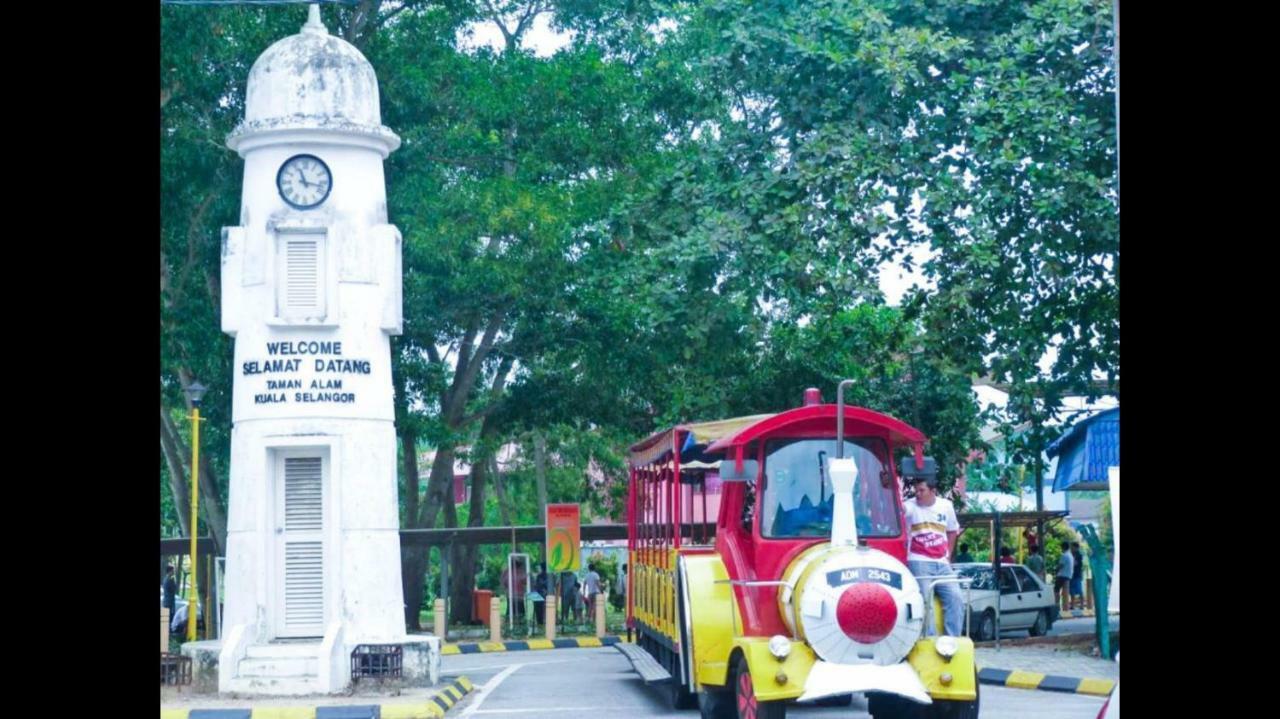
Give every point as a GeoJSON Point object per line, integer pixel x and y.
{"type": "Point", "coordinates": [313, 20]}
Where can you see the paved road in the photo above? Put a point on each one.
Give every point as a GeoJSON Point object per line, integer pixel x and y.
{"type": "Point", "coordinates": [1083, 625]}
{"type": "Point", "coordinates": [601, 684]}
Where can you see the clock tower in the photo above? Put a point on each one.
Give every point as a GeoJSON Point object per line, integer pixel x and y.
{"type": "Point", "coordinates": [311, 292]}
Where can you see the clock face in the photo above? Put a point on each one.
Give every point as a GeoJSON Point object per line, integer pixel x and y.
{"type": "Point", "coordinates": [304, 181]}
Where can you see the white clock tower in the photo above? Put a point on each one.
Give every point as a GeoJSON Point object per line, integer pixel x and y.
{"type": "Point", "coordinates": [311, 292]}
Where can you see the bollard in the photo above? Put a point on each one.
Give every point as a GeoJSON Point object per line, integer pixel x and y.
{"type": "Point", "coordinates": [600, 597]}
{"type": "Point", "coordinates": [551, 616]}
{"type": "Point", "coordinates": [495, 621]}
{"type": "Point", "coordinates": [441, 619]}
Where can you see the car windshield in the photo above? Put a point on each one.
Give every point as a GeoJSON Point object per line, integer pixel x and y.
{"type": "Point", "coordinates": [798, 496]}
{"type": "Point", "coordinates": [981, 577]}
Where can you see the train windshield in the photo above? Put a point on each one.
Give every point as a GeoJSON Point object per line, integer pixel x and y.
{"type": "Point", "coordinates": [798, 497]}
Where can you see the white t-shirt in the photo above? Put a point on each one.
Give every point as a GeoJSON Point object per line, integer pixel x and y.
{"type": "Point", "coordinates": [1066, 565]}
{"type": "Point", "coordinates": [927, 529]}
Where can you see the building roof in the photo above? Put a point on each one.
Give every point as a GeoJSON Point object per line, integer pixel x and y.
{"type": "Point", "coordinates": [1086, 451]}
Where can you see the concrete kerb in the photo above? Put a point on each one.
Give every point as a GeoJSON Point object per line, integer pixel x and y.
{"type": "Point", "coordinates": [1045, 682]}
{"type": "Point", "coordinates": [434, 707]}
{"type": "Point", "coordinates": [527, 644]}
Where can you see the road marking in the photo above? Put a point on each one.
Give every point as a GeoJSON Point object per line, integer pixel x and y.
{"type": "Point", "coordinates": [539, 709]}
{"type": "Point", "coordinates": [502, 661]}
{"type": "Point", "coordinates": [488, 687]}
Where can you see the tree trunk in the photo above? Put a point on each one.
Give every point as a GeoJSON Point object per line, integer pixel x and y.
{"type": "Point", "coordinates": [177, 478]}
{"type": "Point", "coordinates": [408, 451]}
{"type": "Point", "coordinates": [413, 568]}
{"type": "Point", "coordinates": [504, 505]}
{"type": "Point", "coordinates": [413, 561]}
{"type": "Point", "coordinates": [211, 504]}
{"type": "Point", "coordinates": [540, 471]}
{"type": "Point", "coordinates": [464, 568]}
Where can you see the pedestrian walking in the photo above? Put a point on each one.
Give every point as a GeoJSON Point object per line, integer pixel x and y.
{"type": "Point", "coordinates": [933, 531]}
{"type": "Point", "coordinates": [963, 556]}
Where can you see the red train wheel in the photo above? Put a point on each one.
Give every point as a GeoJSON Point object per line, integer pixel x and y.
{"type": "Point", "coordinates": [745, 700]}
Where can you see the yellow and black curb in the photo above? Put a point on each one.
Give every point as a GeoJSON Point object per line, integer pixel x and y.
{"type": "Point", "coordinates": [432, 708]}
{"type": "Point", "coordinates": [1046, 682]}
{"type": "Point", "coordinates": [523, 645]}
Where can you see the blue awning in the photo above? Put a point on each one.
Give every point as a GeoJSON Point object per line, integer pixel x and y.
{"type": "Point", "coordinates": [1086, 452]}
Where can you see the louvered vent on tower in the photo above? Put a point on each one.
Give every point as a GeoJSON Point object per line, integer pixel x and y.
{"type": "Point", "coordinates": [303, 556]}
{"type": "Point", "coordinates": [301, 291]}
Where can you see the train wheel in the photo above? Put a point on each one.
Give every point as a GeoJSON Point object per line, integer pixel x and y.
{"type": "Point", "coordinates": [744, 696]}
{"type": "Point", "coordinates": [715, 703]}
{"type": "Point", "coordinates": [681, 697]}
{"type": "Point", "coordinates": [891, 706]}
{"type": "Point", "coordinates": [1042, 624]}
{"type": "Point", "coordinates": [987, 626]}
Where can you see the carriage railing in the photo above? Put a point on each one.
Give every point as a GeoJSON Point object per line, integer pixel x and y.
{"type": "Point", "coordinates": [965, 582]}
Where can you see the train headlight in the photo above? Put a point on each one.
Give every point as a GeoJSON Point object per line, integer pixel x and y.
{"type": "Point", "coordinates": [946, 646]}
{"type": "Point", "coordinates": [779, 647]}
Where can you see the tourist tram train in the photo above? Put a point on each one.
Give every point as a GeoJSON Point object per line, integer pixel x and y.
{"type": "Point", "coordinates": [802, 591]}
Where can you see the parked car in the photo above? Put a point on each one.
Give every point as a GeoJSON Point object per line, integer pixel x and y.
{"type": "Point", "coordinates": [1023, 599]}
{"type": "Point", "coordinates": [178, 622]}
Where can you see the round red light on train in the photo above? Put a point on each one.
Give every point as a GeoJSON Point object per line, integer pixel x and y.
{"type": "Point", "coordinates": [866, 612]}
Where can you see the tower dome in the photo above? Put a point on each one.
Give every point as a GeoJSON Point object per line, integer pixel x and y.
{"type": "Point", "coordinates": [312, 81]}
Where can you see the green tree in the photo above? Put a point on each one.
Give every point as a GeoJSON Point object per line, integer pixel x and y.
{"type": "Point", "coordinates": [983, 131]}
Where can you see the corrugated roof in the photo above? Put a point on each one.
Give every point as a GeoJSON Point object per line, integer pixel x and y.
{"type": "Point", "coordinates": [1086, 452]}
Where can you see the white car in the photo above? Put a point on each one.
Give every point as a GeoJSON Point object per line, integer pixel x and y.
{"type": "Point", "coordinates": [1023, 600]}
{"type": "Point", "coordinates": [178, 622]}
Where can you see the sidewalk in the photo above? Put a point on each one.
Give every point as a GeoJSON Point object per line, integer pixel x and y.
{"type": "Point", "coordinates": [405, 703]}
{"type": "Point", "coordinates": [1052, 668]}
{"type": "Point", "coordinates": [1081, 613]}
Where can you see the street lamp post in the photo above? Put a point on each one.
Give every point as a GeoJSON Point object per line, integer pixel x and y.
{"type": "Point", "coordinates": [195, 391]}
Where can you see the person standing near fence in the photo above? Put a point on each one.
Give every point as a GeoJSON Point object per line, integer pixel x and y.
{"type": "Point", "coordinates": [1077, 577]}
{"type": "Point", "coordinates": [170, 591]}
{"type": "Point", "coordinates": [591, 587]}
{"type": "Point", "coordinates": [1062, 579]}
{"type": "Point", "coordinates": [568, 596]}
{"type": "Point", "coordinates": [541, 585]}
{"type": "Point", "coordinates": [1035, 563]}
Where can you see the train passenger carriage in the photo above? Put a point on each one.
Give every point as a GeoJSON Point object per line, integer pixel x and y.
{"type": "Point", "coordinates": [798, 588]}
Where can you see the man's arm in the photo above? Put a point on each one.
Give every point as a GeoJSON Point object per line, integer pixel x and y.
{"type": "Point", "coordinates": [953, 530]}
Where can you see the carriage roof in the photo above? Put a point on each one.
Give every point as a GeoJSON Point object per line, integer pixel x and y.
{"type": "Point", "coordinates": [707, 442]}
